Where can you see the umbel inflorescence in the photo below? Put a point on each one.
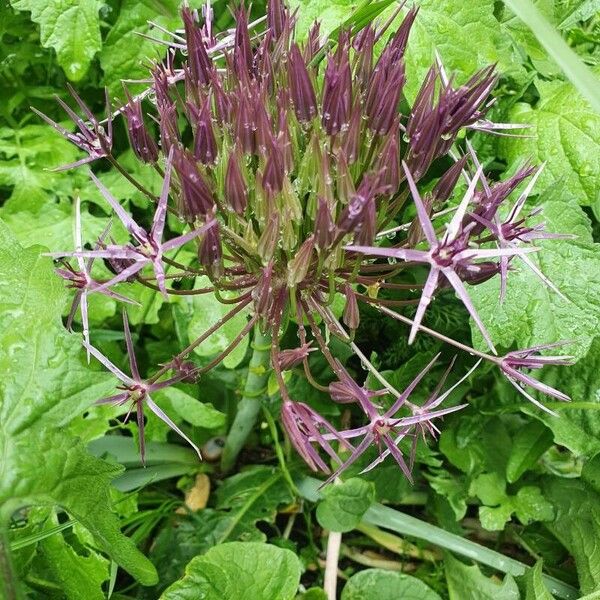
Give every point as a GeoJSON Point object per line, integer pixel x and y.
{"type": "Point", "coordinates": [292, 166]}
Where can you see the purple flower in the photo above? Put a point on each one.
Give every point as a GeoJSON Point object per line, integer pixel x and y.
{"type": "Point", "coordinates": [387, 428]}
{"type": "Point", "coordinates": [137, 390]}
{"type": "Point", "coordinates": [82, 281]}
{"type": "Point", "coordinates": [445, 257]}
{"type": "Point", "coordinates": [306, 427]}
{"type": "Point", "coordinates": [149, 247]}
{"type": "Point", "coordinates": [91, 138]}
{"type": "Point", "coordinates": [514, 229]}
{"type": "Point", "coordinates": [292, 357]}
{"type": "Point", "coordinates": [513, 363]}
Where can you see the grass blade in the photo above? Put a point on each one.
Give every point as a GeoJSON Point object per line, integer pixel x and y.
{"type": "Point", "coordinates": [388, 518]}
{"type": "Point", "coordinates": [581, 76]}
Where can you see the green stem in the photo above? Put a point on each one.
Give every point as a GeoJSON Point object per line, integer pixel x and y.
{"type": "Point", "coordinates": [250, 404]}
{"type": "Point", "coordinates": [388, 518]}
{"type": "Point", "coordinates": [9, 586]}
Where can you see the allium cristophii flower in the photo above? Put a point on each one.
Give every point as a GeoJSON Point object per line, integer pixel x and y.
{"type": "Point", "coordinates": [149, 247]}
{"type": "Point", "coordinates": [513, 364]}
{"type": "Point", "coordinates": [93, 138]}
{"type": "Point", "coordinates": [288, 161]}
{"type": "Point", "coordinates": [137, 390]}
{"type": "Point", "coordinates": [82, 281]}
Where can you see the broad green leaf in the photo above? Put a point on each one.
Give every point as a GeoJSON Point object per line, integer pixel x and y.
{"type": "Point", "coordinates": [125, 53]}
{"type": "Point", "coordinates": [329, 13]}
{"type": "Point", "coordinates": [52, 225]}
{"type": "Point", "coordinates": [524, 37]}
{"type": "Point", "coordinates": [528, 503]}
{"type": "Point", "coordinates": [534, 584]}
{"type": "Point", "coordinates": [566, 135]}
{"type": "Point", "coordinates": [205, 311]}
{"type": "Point", "coordinates": [79, 577]}
{"type": "Point", "coordinates": [582, 11]}
{"type": "Point", "coordinates": [379, 584]}
{"type": "Point", "coordinates": [193, 410]}
{"type": "Point", "coordinates": [445, 27]}
{"type": "Point", "coordinates": [240, 570]}
{"type": "Point", "coordinates": [529, 443]}
{"type": "Point", "coordinates": [577, 526]}
{"type": "Point", "coordinates": [248, 497]}
{"type": "Point", "coordinates": [533, 314]}
{"type": "Point", "coordinates": [45, 382]}
{"type": "Point", "coordinates": [27, 154]}
{"type": "Point", "coordinates": [453, 488]}
{"type": "Point", "coordinates": [571, 65]}
{"type": "Point", "coordinates": [71, 27]}
{"type": "Point", "coordinates": [344, 505]}
{"type": "Point", "coordinates": [469, 582]}
{"type": "Point", "coordinates": [591, 473]}
{"type": "Point", "coordinates": [577, 426]}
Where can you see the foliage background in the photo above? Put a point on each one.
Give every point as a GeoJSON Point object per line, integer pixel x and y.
{"type": "Point", "coordinates": [503, 474]}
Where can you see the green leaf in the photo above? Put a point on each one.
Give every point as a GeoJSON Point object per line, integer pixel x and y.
{"type": "Point", "coordinates": [565, 134]}
{"type": "Point", "coordinates": [242, 570]}
{"type": "Point", "coordinates": [79, 577]}
{"type": "Point", "coordinates": [453, 488]}
{"type": "Point", "coordinates": [529, 443]}
{"type": "Point", "coordinates": [71, 27]}
{"type": "Point", "coordinates": [533, 314]}
{"type": "Point", "coordinates": [534, 584]}
{"type": "Point", "coordinates": [27, 152]}
{"type": "Point", "coordinates": [248, 497]}
{"type": "Point", "coordinates": [192, 410]}
{"type": "Point", "coordinates": [444, 26]}
{"type": "Point", "coordinates": [344, 505]}
{"type": "Point", "coordinates": [206, 310]}
{"type": "Point", "coordinates": [523, 36]}
{"type": "Point", "coordinates": [469, 582]}
{"type": "Point", "coordinates": [528, 504]}
{"type": "Point", "coordinates": [378, 584]}
{"type": "Point", "coordinates": [577, 526]}
{"type": "Point", "coordinates": [45, 382]}
{"type": "Point", "coordinates": [581, 12]}
{"type": "Point", "coordinates": [591, 473]}
{"type": "Point", "coordinates": [125, 54]}
{"type": "Point", "coordinates": [330, 14]}
{"type": "Point", "coordinates": [577, 426]}
{"type": "Point", "coordinates": [573, 67]}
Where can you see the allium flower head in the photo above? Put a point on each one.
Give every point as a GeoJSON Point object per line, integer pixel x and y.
{"type": "Point", "coordinates": [287, 162]}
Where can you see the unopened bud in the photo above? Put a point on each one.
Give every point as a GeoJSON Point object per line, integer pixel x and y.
{"type": "Point", "coordinates": [298, 266]}
{"type": "Point", "coordinates": [351, 314]}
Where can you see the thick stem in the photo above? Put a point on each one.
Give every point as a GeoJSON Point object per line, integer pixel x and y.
{"type": "Point", "coordinates": [250, 404]}
{"type": "Point", "coordinates": [334, 541]}
{"type": "Point", "coordinates": [9, 586]}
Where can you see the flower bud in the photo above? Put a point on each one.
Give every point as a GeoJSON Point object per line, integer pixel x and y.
{"type": "Point", "coordinates": [142, 144]}
{"type": "Point", "coordinates": [268, 240]}
{"type": "Point", "coordinates": [325, 229]}
{"type": "Point", "coordinates": [447, 182]}
{"type": "Point", "coordinates": [337, 89]}
{"type": "Point", "coordinates": [351, 314]}
{"type": "Point", "coordinates": [288, 359]}
{"type": "Point", "coordinates": [235, 186]}
{"type": "Point", "coordinates": [299, 265]}
{"type": "Point", "coordinates": [209, 252]}
{"type": "Point", "coordinates": [196, 197]}
{"type": "Point", "coordinates": [205, 143]}
{"type": "Point", "coordinates": [301, 87]}
{"type": "Point", "coordinates": [200, 65]}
